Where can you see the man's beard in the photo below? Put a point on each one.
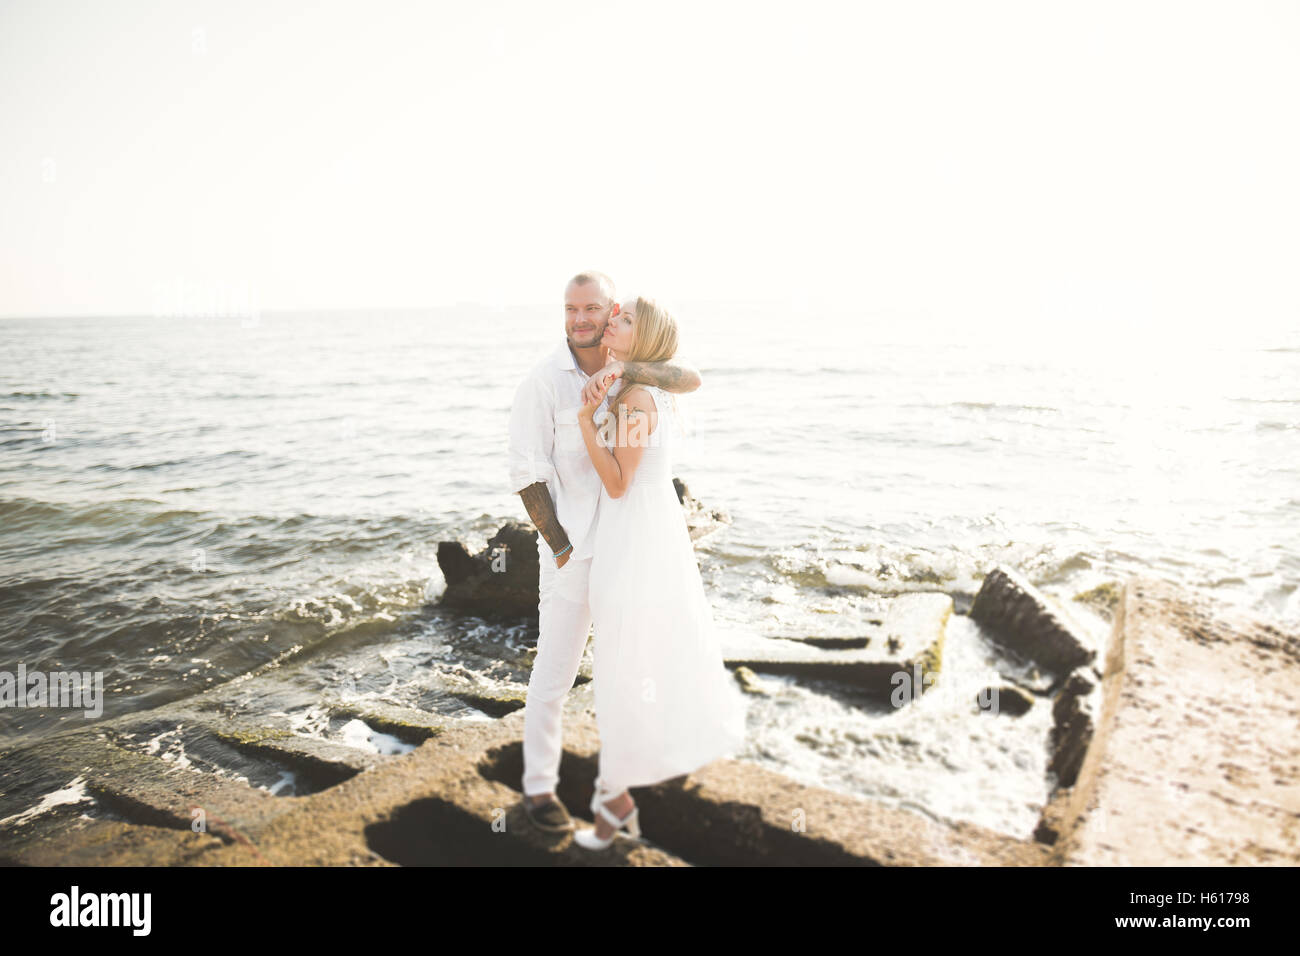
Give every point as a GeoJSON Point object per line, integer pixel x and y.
{"type": "Point", "coordinates": [599, 337]}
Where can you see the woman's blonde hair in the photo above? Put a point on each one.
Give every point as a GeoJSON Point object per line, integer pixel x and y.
{"type": "Point", "coordinates": [654, 339]}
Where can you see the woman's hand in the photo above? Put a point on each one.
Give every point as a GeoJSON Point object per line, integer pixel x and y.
{"type": "Point", "coordinates": [599, 383]}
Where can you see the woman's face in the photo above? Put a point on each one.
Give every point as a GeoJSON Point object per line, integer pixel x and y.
{"type": "Point", "coordinates": [618, 331]}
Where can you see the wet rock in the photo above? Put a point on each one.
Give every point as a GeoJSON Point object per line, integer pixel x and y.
{"type": "Point", "coordinates": [493, 702]}
{"type": "Point", "coordinates": [1033, 681]}
{"type": "Point", "coordinates": [901, 658]}
{"type": "Point", "coordinates": [841, 642]}
{"type": "Point", "coordinates": [1072, 727]}
{"type": "Point", "coordinates": [455, 800]}
{"type": "Point", "coordinates": [700, 520]}
{"type": "Point", "coordinates": [112, 843]}
{"type": "Point", "coordinates": [323, 763]}
{"type": "Point", "coordinates": [502, 579]}
{"type": "Point", "coordinates": [499, 580]}
{"type": "Point", "coordinates": [1194, 759]}
{"type": "Point", "coordinates": [1005, 699]}
{"type": "Point", "coordinates": [143, 788]}
{"type": "Point", "coordinates": [749, 682]}
{"type": "Point", "coordinates": [405, 723]}
{"type": "Point", "coordinates": [1104, 598]}
{"type": "Point", "coordinates": [1054, 820]}
{"type": "Point", "coordinates": [1191, 762]}
{"type": "Point", "coordinates": [1018, 616]}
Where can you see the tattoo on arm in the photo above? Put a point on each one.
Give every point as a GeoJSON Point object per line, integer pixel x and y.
{"type": "Point", "coordinates": [540, 507]}
{"type": "Point", "coordinates": [665, 375]}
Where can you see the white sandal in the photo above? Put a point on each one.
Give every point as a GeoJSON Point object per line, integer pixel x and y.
{"type": "Point", "coordinates": [587, 838]}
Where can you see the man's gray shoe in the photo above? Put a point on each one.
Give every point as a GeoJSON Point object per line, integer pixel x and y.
{"type": "Point", "coordinates": [551, 816]}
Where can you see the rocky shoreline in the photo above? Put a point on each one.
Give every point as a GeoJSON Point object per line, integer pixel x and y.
{"type": "Point", "coordinates": [1176, 743]}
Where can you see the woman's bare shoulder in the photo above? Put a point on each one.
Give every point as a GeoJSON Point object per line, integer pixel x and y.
{"type": "Point", "coordinates": [638, 397]}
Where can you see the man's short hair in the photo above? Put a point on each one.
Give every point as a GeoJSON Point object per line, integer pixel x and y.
{"type": "Point", "coordinates": [604, 282]}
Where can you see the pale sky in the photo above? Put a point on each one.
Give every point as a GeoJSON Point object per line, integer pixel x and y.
{"type": "Point", "coordinates": [1129, 163]}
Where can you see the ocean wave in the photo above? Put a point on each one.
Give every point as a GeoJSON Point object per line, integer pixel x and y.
{"type": "Point", "coordinates": [193, 461]}
{"type": "Point", "coordinates": [888, 569]}
{"type": "Point", "coordinates": [1000, 406]}
{"type": "Point", "coordinates": [146, 626]}
{"type": "Point", "coordinates": [26, 514]}
{"type": "Point", "coordinates": [142, 522]}
{"type": "Point", "coordinates": [37, 396]}
{"type": "Point", "coordinates": [801, 371]}
{"type": "Point", "coordinates": [885, 571]}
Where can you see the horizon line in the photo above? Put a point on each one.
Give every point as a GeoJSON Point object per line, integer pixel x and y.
{"type": "Point", "coordinates": [150, 314]}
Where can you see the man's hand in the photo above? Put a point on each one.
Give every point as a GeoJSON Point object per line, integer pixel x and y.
{"type": "Point", "coordinates": [563, 559]}
{"type": "Point", "coordinates": [599, 383]}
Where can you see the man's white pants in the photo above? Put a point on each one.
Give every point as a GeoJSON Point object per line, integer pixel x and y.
{"type": "Point", "coordinates": [563, 623]}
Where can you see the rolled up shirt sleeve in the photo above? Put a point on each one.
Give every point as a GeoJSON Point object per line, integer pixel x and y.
{"type": "Point", "coordinates": [532, 434]}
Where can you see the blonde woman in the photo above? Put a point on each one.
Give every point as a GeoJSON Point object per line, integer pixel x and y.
{"type": "Point", "coordinates": [665, 702]}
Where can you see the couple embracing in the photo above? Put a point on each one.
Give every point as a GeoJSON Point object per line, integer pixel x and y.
{"type": "Point", "coordinates": [615, 553]}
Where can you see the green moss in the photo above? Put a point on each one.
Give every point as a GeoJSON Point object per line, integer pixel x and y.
{"type": "Point", "coordinates": [253, 735]}
{"type": "Point", "coordinates": [749, 681]}
{"type": "Point", "coordinates": [1104, 596]}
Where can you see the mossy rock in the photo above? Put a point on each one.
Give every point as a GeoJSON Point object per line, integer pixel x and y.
{"type": "Point", "coordinates": [252, 735]}
{"type": "Point", "coordinates": [1104, 598]}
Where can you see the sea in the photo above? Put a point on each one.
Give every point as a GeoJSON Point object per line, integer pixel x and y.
{"type": "Point", "coordinates": [187, 500]}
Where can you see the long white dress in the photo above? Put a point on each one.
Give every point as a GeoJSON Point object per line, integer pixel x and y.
{"type": "Point", "coordinates": [666, 704]}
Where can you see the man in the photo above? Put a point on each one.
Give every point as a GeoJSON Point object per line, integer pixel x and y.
{"type": "Point", "coordinates": [553, 474]}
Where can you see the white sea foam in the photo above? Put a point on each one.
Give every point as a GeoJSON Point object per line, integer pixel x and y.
{"type": "Point", "coordinates": [357, 733]}
{"type": "Point", "coordinates": [72, 792]}
{"type": "Point", "coordinates": [841, 575]}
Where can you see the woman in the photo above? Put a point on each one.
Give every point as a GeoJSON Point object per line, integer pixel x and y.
{"type": "Point", "coordinates": [665, 702]}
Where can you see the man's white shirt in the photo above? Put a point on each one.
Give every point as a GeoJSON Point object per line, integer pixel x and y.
{"type": "Point", "coordinates": [546, 444]}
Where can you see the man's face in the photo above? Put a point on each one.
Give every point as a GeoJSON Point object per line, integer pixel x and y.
{"type": "Point", "coordinates": [585, 314]}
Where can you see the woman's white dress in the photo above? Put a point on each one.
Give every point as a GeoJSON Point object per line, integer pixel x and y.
{"type": "Point", "coordinates": [666, 704]}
